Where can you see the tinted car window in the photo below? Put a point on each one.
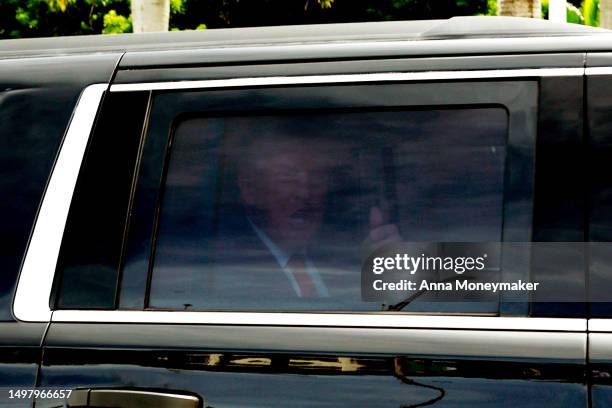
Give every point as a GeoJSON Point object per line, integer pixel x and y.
{"type": "Point", "coordinates": [37, 98]}
{"type": "Point", "coordinates": [273, 212]}
{"type": "Point", "coordinates": [600, 220]}
{"type": "Point", "coordinates": [90, 256]}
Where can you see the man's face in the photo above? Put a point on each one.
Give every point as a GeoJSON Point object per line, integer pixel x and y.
{"type": "Point", "coordinates": [287, 187]}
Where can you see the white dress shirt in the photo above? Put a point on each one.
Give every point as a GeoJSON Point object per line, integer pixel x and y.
{"type": "Point", "coordinates": [282, 258]}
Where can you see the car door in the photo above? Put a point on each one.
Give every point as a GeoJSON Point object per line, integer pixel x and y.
{"type": "Point", "coordinates": [37, 96]}
{"type": "Point", "coordinates": [174, 278]}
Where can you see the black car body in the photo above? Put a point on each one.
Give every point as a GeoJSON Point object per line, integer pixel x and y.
{"type": "Point", "coordinates": [98, 217]}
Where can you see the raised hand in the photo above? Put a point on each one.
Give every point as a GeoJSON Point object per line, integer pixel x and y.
{"type": "Point", "coordinates": [381, 233]}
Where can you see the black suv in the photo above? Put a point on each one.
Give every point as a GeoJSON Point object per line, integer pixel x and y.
{"type": "Point", "coordinates": [185, 215]}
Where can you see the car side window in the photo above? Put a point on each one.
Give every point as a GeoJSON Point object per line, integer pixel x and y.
{"type": "Point", "coordinates": [271, 199]}
{"type": "Point", "coordinates": [89, 260]}
{"type": "Point", "coordinates": [269, 212]}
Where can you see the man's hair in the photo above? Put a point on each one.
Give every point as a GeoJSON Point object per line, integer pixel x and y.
{"type": "Point", "coordinates": [249, 140]}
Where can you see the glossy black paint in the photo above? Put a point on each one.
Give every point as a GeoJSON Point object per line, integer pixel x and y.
{"type": "Point", "coordinates": [325, 364]}
{"type": "Point", "coordinates": [264, 389]}
{"type": "Point", "coordinates": [599, 103]}
{"type": "Point", "coordinates": [600, 378]}
{"type": "Point", "coordinates": [20, 355]}
{"type": "Point", "coordinates": [599, 111]}
{"type": "Point", "coordinates": [37, 97]}
{"type": "Point", "coordinates": [359, 66]}
{"type": "Point", "coordinates": [292, 366]}
{"type": "Point", "coordinates": [599, 59]}
{"type": "Point", "coordinates": [309, 52]}
{"type": "Point", "coordinates": [344, 380]}
{"type": "Point", "coordinates": [258, 339]}
{"type": "Point", "coordinates": [329, 41]}
{"type": "Point", "coordinates": [560, 197]}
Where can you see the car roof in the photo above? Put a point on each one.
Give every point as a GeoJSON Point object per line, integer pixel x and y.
{"type": "Point", "coordinates": [476, 27]}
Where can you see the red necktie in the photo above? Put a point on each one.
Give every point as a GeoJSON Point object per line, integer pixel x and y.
{"type": "Point", "coordinates": [297, 265]}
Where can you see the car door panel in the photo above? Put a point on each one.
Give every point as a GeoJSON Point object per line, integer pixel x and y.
{"type": "Point", "coordinates": [293, 366]}
{"type": "Point", "coordinates": [250, 361]}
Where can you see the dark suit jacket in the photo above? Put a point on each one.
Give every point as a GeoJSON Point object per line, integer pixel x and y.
{"type": "Point", "coordinates": [245, 271]}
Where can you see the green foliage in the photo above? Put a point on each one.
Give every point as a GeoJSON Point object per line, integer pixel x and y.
{"type": "Point", "coordinates": [176, 6]}
{"type": "Point", "coordinates": [43, 18]}
{"type": "Point", "coordinates": [23, 17]}
{"type": "Point", "coordinates": [587, 13]}
{"type": "Point", "coordinates": [491, 9]}
{"type": "Point", "coordinates": [37, 18]}
{"type": "Point", "coordinates": [324, 4]}
{"type": "Point", "coordinates": [116, 24]}
{"type": "Point", "coordinates": [590, 12]}
{"type": "Point", "coordinates": [574, 15]}
{"type": "Point", "coordinates": [59, 4]}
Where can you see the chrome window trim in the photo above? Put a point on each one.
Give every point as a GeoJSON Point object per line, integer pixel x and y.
{"type": "Point", "coordinates": [600, 325]}
{"type": "Point", "coordinates": [31, 301]}
{"type": "Point", "coordinates": [388, 320]}
{"type": "Point", "coordinates": [33, 292]}
{"type": "Point", "coordinates": [598, 71]}
{"type": "Point", "coordinates": [348, 78]}
{"type": "Point", "coordinates": [600, 347]}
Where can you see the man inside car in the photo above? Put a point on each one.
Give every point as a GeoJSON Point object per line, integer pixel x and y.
{"type": "Point", "coordinates": [284, 188]}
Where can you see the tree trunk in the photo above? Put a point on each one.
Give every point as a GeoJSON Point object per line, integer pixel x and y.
{"type": "Point", "coordinates": [150, 15]}
{"type": "Point", "coordinates": [605, 18]}
{"type": "Point", "coordinates": [520, 8]}
{"type": "Point", "coordinates": [557, 11]}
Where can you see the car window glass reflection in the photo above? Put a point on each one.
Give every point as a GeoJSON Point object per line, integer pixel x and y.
{"type": "Point", "coordinates": [273, 212]}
